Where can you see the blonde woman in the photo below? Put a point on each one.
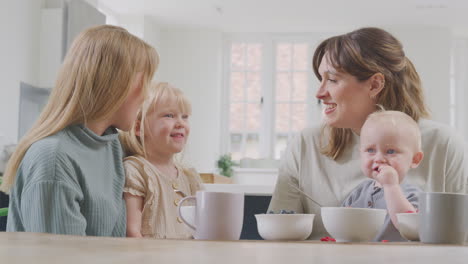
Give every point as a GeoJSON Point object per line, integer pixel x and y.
{"type": "Point", "coordinates": [358, 71]}
{"type": "Point", "coordinates": [66, 175]}
{"type": "Point", "coordinates": [153, 174]}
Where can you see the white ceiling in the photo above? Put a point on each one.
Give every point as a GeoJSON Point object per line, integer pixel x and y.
{"type": "Point", "coordinates": [295, 15]}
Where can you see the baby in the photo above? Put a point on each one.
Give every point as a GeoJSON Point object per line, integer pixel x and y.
{"type": "Point", "coordinates": [390, 147]}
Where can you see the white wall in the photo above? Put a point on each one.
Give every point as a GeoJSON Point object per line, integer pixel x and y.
{"type": "Point", "coordinates": [192, 61]}
{"type": "Point", "coordinates": [19, 53]}
{"type": "Point", "coordinates": [429, 50]}
{"type": "Point", "coordinates": [152, 35]}
{"type": "Point", "coordinates": [135, 24]}
{"type": "Point", "coordinates": [50, 52]}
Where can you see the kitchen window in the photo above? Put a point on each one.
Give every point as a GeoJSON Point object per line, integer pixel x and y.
{"type": "Point", "coordinates": [458, 84]}
{"type": "Point", "coordinates": [269, 93]}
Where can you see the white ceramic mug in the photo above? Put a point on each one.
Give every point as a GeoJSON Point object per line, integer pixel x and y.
{"type": "Point", "coordinates": [443, 217]}
{"type": "Point", "coordinates": [218, 215]}
{"type": "Point", "coordinates": [188, 212]}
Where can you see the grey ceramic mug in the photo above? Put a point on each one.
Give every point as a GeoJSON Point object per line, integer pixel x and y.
{"type": "Point", "coordinates": [443, 217]}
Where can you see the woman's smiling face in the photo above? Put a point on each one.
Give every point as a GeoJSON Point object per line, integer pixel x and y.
{"type": "Point", "coordinates": [347, 101]}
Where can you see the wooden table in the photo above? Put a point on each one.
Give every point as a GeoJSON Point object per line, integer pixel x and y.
{"type": "Point", "coordinates": [47, 249]}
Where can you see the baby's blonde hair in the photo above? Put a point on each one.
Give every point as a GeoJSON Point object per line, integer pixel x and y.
{"type": "Point", "coordinates": [395, 119]}
{"type": "Point", "coordinates": [160, 93]}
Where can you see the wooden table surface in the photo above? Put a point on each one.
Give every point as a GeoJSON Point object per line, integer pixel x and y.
{"type": "Point", "coordinates": [47, 249]}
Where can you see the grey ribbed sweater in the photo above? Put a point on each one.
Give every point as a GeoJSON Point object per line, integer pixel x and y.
{"type": "Point", "coordinates": [70, 183]}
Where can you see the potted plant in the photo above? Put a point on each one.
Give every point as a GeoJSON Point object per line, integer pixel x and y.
{"type": "Point", "coordinates": [225, 164]}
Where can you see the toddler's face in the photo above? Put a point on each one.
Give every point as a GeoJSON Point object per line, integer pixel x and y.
{"type": "Point", "coordinates": [167, 129]}
{"type": "Point", "coordinates": [390, 145]}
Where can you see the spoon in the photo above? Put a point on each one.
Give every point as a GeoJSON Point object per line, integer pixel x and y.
{"type": "Point", "coordinates": [305, 194]}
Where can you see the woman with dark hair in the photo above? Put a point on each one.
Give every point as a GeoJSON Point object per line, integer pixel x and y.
{"type": "Point", "coordinates": [359, 71]}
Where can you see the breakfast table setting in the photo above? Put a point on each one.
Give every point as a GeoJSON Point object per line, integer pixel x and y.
{"type": "Point", "coordinates": [435, 234]}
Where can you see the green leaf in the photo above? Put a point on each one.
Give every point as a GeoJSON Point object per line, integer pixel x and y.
{"type": "Point", "coordinates": [3, 211]}
{"type": "Point", "coordinates": [225, 164]}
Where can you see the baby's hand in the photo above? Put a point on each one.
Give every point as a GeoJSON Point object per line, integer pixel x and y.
{"type": "Point", "coordinates": [386, 175]}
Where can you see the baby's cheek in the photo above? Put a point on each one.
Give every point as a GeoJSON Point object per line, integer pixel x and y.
{"type": "Point", "coordinates": [366, 167]}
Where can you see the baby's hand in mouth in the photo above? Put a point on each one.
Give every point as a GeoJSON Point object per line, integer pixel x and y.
{"type": "Point", "coordinates": [385, 174]}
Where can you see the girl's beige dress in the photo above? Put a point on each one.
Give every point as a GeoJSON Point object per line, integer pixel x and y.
{"type": "Point", "coordinates": [159, 217]}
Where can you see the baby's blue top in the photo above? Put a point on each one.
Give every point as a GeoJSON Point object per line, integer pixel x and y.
{"type": "Point", "coordinates": [367, 195]}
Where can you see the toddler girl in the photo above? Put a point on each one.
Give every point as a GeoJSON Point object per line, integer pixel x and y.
{"type": "Point", "coordinates": [155, 181]}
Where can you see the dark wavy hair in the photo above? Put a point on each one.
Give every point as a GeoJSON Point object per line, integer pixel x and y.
{"type": "Point", "coordinates": [363, 53]}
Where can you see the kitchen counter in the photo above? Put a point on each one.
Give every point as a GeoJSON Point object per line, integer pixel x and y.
{"type": "Point", "coordinates": [47, 248]}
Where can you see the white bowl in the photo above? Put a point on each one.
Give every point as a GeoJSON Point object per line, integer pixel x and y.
{"type": "Point", "coordinates": [346, 224]}
{"type": "Point", "coordinates": [408, 225]}
{"type": "Point", "coordinates": [285, 226]}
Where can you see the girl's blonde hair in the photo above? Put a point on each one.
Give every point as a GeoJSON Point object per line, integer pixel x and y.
{"type": "Point", "coordinates": [161, 93]}
{"type": "Point", "coordinates": [363, 53]}
{"type": "Point", "coordinates": [92, 84]}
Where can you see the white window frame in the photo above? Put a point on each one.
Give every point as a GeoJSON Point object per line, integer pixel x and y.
{"type": "Point", "coordinates": [458, 83]}
{"type": "Point", "coordinates": [269, 42]}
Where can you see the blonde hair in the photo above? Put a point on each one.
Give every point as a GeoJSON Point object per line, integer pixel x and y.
{"type": "Point", "coordinates": [363, 53]}
{"type": "Point", "coordinates": [92, 84]}
{"type": "Point", "coordinates": [396, 119]}
{"type": "Point", "coordinates": [161, 93]}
